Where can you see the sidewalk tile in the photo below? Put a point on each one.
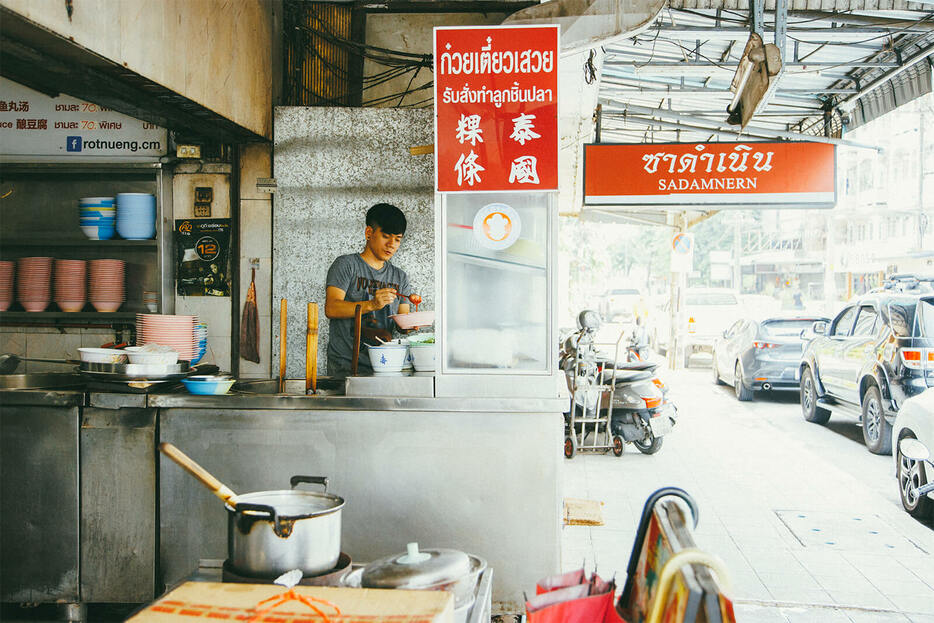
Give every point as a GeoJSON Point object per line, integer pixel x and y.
{"type": "Point", "coordinates": [918, 604]}
{"type": "Point", "coordinates": [862, 599]}
{"type": "Point", "coordinates": [870, 616]}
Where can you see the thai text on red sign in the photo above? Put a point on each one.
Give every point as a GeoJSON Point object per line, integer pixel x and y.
{"type": "Point", "coordinates": [710, 173]}
{"type": "Point", "coordinates": [496, 108]}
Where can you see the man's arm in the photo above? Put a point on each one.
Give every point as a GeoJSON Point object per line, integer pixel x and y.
{"type": "Point", "coordinates": [336, 307]}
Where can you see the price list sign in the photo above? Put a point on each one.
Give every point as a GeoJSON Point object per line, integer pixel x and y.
{"type": "Point", "coordinates": [496, 108]}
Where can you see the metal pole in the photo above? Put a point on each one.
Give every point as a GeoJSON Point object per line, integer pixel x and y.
{"type": "Point", "coordinates": [737, 254]}
{"type": "Point", "coordinates": [922, 218]}
{"type": "Point", "coordinates": [677, 322]}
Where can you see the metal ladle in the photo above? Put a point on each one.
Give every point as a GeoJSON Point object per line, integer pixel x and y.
{"type": "Point", "coordinates": [9, 362]}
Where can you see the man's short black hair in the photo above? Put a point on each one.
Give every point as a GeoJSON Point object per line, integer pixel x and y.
{"type": "Point", "coordinates": [387, 217]}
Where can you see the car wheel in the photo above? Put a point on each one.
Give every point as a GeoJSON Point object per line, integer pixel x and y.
{"type": "Point", "coordinates": [716, 371]}
{"type": "Point", "coordinates": [650, 445]}
{"type": "Point", "coordinates": [742, 391]}
{"type": "Point", "coordinates": [876, 431]}
{"type": "Point", "coordinates": [810, 410]}
{"type": "Point", "coordinates": [911, 476]}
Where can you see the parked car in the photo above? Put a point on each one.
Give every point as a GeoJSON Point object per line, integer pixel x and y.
{"type": "Point", "coordinates": [875, 354]}
{"type": "Point", "coordinates": [915, 420]}
{"type": "Point", "coordinates": [620, 304]}
{"type": "Point", "coordinates": [708, 312]}
{"type": "Point", "coordinates": [761, 355]}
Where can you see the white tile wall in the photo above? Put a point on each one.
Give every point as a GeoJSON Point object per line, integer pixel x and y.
{"type": "Point", "coordinates": [49, 343]}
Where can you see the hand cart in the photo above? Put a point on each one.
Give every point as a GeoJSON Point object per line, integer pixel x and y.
{"type": "Point", "coordinates": [592, 397]}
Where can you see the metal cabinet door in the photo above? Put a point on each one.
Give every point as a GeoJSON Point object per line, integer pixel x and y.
{"type": "Point", "coordinates": [38, 504]}
{"type": "Point", "coordinates": [118, 505]}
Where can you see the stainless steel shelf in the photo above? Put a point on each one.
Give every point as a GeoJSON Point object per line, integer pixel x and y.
{"type": "Point", "coordinates": [24, 317]}
{"type": "Point", "coordinates": [52, 241]}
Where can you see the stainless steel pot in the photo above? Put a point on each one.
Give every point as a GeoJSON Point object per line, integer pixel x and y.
{"type": "Point", "coordinates": [271, 532]}
{"type": "Point", "coordinates": [428, 569]}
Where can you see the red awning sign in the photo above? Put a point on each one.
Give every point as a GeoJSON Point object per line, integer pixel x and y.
{"type": "Point", "coordinates": [496, 108]}
{"type": "Point", "coordinates": [722, 174]}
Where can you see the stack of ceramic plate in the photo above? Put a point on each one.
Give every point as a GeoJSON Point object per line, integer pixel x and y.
{"type": "Point", "coordinates": [136, 216]}
{"type": "Point", "coordinates": [6, 285]}
{"type": "Point", "coordinates": [98, 217]}
{"type": "Point", "coordinates": [200, 339]}
{"type": "Point", "coordinates": [176, 332]}
{"type": "Point", "coordinates": [106, 284]}
{"type": "Point", "coordinates": [34, 283]}
{"type": "Point", "coordinates": [71, 291]}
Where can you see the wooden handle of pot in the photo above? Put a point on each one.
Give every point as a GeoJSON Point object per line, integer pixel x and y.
{"type": "Point", "coordinates": [283, 338]}
{"type": "Point", "coordinates": [357, 314]}
{"type": "Point", "coordinates": [311, 349]}
{"type": "Point", "coordinates": [202, 475]}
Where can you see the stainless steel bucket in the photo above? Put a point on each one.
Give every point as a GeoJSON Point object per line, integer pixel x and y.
{"type": "Point", "coordinates": [271, 532]}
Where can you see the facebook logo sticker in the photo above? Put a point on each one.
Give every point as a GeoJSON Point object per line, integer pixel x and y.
{"type": "Point", "coordinates": [73, 143]}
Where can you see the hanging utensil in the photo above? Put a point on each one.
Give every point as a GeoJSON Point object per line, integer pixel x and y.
{"type": "Point", "coordinates": [203, 476]}
{"type": "Point", "coordinates": [283, 335]}
{"type": "Point", "coordinates": [311, 349]}
{"type": "Point", "coordinates": [357, 315]}
{"type": "Point", "coordinates": [249, 324]}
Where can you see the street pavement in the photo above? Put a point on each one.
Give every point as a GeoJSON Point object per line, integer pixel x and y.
{"type": "Point", "coordinates": [808, 522]}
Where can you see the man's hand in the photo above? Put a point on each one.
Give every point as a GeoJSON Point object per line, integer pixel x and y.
{"type": "Point", "coordinates": [383, 297]}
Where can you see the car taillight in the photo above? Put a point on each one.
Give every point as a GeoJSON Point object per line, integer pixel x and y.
{"type": "Point", "coordinates": [916, 358]}
{"type": "Point", "coordinates": [765, 345]}
{"type": "Point", "coordinates": [692, 326]}
{"type": "Point", "coordinates": [651, 403]}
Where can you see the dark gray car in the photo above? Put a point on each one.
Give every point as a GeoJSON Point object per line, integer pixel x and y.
{"type": "Point", "coordinates": [761, 355]}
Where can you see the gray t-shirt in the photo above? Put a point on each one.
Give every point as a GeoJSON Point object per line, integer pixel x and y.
{"type": "Point", "coordinates": [360, 281]}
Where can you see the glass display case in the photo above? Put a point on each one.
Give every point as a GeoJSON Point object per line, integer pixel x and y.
{"type": "Point", "coordinates": [497, 284]}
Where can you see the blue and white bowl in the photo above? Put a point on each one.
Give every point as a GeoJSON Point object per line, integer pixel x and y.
{"type": "Point", "coordinates": [388, 358]}
{"type": "Point", "coordinates": [208, 385]}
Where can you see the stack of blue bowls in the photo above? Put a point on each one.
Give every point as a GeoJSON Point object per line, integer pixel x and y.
{"type": "Point", "coordinates": [97, 217]}
{"type": "Point", "coordinates": [136, 216]}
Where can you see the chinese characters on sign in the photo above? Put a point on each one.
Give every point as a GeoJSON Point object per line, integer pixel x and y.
{"type": "Point", "coordinates": [496, 102]}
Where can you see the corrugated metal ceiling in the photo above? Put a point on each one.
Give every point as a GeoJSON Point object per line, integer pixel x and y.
{"type": "Point", "coordinates": [671, 83]}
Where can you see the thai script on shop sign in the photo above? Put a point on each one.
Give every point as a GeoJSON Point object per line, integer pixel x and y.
{"type": "Point", "coordinates": [490, 61]}
{"type": "Point", "coordinates": [738, 161]}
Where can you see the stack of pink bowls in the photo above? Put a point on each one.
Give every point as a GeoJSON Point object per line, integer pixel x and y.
{"type": "Point", "coordinates": [34, 283]}
{"type": "Point", "coordinates": [6, 285]}
{"type": "Point", "coordinates": [106, 286]}
{"type": "Point", "coordinates": [71, 291]}
{"type": "Point", "coordinates": [176, 332]}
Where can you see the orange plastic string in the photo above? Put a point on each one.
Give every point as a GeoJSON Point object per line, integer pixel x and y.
{"type": "Point", "coordinates": [291, 595]}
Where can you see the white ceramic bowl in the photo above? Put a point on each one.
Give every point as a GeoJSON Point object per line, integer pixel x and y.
{"type": "Point", "coordinates": [169, 358]}
{"type": "Point", "coordinates": [423, 357]}
{"type": "Point", "coordinates": [388, 358]}
{"type": "Point", "coordinates": [102, 355]}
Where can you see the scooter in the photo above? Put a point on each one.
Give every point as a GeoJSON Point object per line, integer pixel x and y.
{"type": "Point", "coordinates": [638, 347]}
{"type": "Point", "coordinates": [619, 402]}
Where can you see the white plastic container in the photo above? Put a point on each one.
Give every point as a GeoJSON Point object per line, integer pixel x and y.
{"type": "Point", "coordinates": [389, 358]}
{"type": "Point", "coordinates": [166, 358]}
{"type": "Point", "coordinates": [423, 356]}
{"type": "Point", "coordinates": [102, 355]}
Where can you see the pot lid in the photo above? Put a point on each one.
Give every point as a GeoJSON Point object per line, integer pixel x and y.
{"type": "Point", "coordinates": [294, 504]}
{"type": "Point", "coordinates": [416, 568]}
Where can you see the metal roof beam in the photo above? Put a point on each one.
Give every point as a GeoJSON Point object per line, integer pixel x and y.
{"type": "Point", "coordinates": [664, 117]}
{"type": "Point", "coordinates": [797, 93]}
{"type": "Point", "coordinates": [732, 65]}
{"type": "Point", "coordinates": [839, 34]}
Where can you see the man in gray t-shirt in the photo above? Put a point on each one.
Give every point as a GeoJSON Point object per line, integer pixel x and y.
{"type": "Point", "coordinates": [367, 278]}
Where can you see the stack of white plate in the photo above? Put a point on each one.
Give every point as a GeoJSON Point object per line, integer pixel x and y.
{"type": "Point", "coordinates": [106, 284]}
{"type": "Point", "coordinates": [176, 332]}
{"type": "Point", "coordinates": [34, 283]}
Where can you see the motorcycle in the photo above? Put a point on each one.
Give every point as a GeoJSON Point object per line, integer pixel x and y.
{"type": "Point", "coordinates": [638, 347]}
{"type": "Point", "coordinates": [620, 402]}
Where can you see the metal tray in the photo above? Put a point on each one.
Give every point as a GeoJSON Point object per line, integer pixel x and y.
{"type": "Point", "coordinates": [135, 372]}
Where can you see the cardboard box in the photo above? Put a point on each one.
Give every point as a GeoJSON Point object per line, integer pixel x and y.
{"type": "Point", "coordinates": [263, 603]}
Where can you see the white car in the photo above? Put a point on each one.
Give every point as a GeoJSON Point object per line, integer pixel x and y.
{"type": "Point", "coordinates": [915, 420]}
{"type": "Point", "coordinates": [708, 313]}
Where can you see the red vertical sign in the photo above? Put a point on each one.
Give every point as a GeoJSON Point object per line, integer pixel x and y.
{"type": "Point", "coordinates": [496, 108]}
